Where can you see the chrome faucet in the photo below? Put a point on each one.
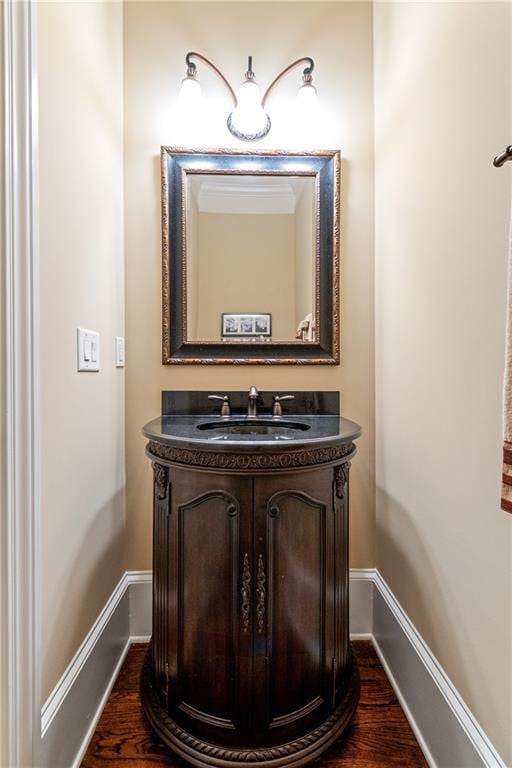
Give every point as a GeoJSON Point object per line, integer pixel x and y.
{"type": "Point", "coordinates": [252, 403]}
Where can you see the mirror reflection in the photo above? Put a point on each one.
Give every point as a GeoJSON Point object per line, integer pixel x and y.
{"type": "Point", "coordinates": [251, 257]}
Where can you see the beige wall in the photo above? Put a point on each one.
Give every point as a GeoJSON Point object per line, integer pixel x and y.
{"type": "Point", "coordinates": [246, 264]}
{"type": "Point", "coordinates": [442, 109]}
{"type": "Point", "coordinates": [81, 251]}
{"type": "Point", "coordinates": [157, 36]}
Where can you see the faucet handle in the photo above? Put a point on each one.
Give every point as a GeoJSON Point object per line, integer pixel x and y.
{"type": "Point", "coordinates": [276, 403]}
{"type": "Point", "coordinates": [226, 405]}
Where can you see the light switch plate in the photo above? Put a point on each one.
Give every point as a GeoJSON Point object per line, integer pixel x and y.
{"type": "Point", "coordinates": [119, 352]}
{"type": "Point", "coordinates": [88, 349]}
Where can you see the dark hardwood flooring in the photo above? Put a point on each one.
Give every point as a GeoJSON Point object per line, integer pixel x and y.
{"type": "Point", "coordinates": [380, 736]}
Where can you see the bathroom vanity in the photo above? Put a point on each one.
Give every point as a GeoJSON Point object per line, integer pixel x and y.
{"type": "Point", "coordinates": [250, 661]}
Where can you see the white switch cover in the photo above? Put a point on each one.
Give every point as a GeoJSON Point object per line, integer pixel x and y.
{"type": "Point", "coordinates": [88, 343]}
{"type": "Point", "coordinates": [119, 352]}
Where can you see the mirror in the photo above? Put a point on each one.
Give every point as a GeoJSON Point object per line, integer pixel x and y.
{"type": "Point", "coordinates": [250, 257]}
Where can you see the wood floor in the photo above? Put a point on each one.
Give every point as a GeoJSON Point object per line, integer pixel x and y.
{"type": "Point", "coordinates": [380, 736]}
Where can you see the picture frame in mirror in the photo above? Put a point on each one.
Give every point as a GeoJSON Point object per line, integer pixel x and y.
{"type": "Point", "coordinates": [246, 324]}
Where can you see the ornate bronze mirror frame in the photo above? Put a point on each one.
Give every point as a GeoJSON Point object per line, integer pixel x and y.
{"type": "Point", "coordinates": [324, 166]}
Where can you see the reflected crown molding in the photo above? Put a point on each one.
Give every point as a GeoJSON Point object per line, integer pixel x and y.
{"type": "Point", "coordinates": [243, 195]}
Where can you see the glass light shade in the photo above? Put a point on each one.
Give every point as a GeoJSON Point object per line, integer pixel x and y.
{"type": "Point", "coordinates": [190, 92]}
{"type": "Point", "coordinates": [249, 117]}
{"type": "Point", "coordinates": [307, 96]}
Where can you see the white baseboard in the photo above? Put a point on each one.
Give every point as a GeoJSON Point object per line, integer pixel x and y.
{"type": "Point", "coordinates": [361, 602]}
{"type": "Point", "coordinates": [446, 730]}
{"type": "Point", "coordinates": [140, 604]}
{"type": "Point", "coordinates": [70, 713]}
{"type": "Point", "coordinates": [448, 733]}
{"type": "Point", "coordinates": [94, 721]}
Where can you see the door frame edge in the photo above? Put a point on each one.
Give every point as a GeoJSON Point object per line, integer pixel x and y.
{"type": "Point", "coordinates": [20, 722]}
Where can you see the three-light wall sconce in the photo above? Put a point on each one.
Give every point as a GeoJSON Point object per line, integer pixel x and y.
{"type": "Point", "coordinates": [248, 120]}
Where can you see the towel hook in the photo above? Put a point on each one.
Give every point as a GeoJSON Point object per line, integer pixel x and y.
{"type": "Point", "coordinates": [500, 160]}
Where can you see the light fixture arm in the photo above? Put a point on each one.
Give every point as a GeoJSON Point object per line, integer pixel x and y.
{"type": "Point", "coordinates": [191, 69]}
{"type": "Point", "coordinates": [249, 121]}
{"type": "Point", "coordinates": [308, 71]}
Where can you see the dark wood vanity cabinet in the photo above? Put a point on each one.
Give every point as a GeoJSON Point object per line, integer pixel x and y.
{"type": "Point", "coordinates": [294, 637]}
{"type": "Point", "coordinates": [250, 660]}
{"type": "Point", "coordinates": [206, 582]}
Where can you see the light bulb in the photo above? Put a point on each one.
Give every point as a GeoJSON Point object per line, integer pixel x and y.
{"type": "Point", "coordinates": [190, 93]}
{"type": "Point", "coordinates": [249, 118]}
{"type": "Point", "coordinates": [249, 95]}
{"type": "Point", "coordinates": [307, 96]}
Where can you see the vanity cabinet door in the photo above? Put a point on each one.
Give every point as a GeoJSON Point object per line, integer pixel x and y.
{"type": "Point", "coordinates": [210, 623]}
{"type": "Point", "coordinates": [294, 657]}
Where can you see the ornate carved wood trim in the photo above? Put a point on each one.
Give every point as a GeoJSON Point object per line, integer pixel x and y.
{"type": "Point", "coordinates": [232, 504]}
{"type": "Point", "coordinates": [288, 459]}
{"type": "Point", "coordinates": [261, 594]}
{"type": "Point", "coordinates": [246, 593]}
{"type": "Point", "coordinates": [161, 480]}
{"type": "Point", "coordinates": [204, 717]}
{"type": "Point", "coordinates": [273, 508]}
{"type": "Point", "coordinates": [294, 753]}
{"type": "Point", "coordinates": [341, 474]}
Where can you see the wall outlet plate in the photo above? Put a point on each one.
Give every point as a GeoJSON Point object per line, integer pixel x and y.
{"type": "Point", "coordinates": [88, 350]}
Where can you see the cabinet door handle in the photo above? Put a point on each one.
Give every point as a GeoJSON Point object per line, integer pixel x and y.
{"type": "Point", "coordinates": [261, 594]}
{"type": "Point", "coordinates": [246, 593]}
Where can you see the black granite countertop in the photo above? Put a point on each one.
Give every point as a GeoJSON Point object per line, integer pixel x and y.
{"type": "Point", "coordinates": [184, 431]}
